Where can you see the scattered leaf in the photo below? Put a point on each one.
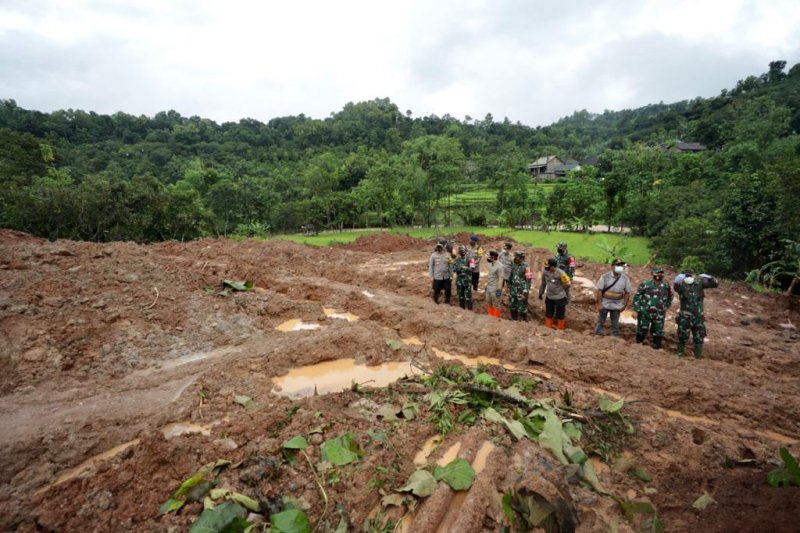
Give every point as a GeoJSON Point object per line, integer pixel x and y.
{"type": "Point", "coordinates": [458, 473]}
{"type": "Point", "coordinates": [244, 401]}
{"type": "Point", "coordinates": [410, 410]}
{"type": "Point", "coordinates": [228, 517]}
{"type": "Point", "coordinates": [552, 436]}
{"type": "Point", "coordinates": [378, 436]}
{"type": "Point", "coordinates": [291, 521]}
{"type": "Point", "coordinates": [421, 483]}
{"type": "Point", "coordinates": [246, 501]}
{"type": "Point", "coordinates": [388, 412]}
{"type": "Point", "coordinates": [513, 426]}
{"type": "Point", "coordinates": [393, 499]}
{"type": "Point", "coordinates": [632, 508]}
{"type": "Point", "coordinates": [394, 344]}
{"type": "Point", "coordinates": [295, 443]}
{"type": "Point", "coordinates": [703, 501]}
{"type": "Point", "coordinates": [238, 285]}
{"type": "Point", "coordinates": [607, 406]}
{"type": "Point", "coordinates": [482, 378]}
{"type": "Point", "coordinates": [170, 505]}
{"type": "Point", "coordinates": [340, 451]}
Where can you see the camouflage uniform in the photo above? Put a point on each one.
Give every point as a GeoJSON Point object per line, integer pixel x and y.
{"type": "Point", "coordinates": [565, 262]}
{"type": "Point", "coordinates": [520, 281]}
{"type": "Point", "coordinates": [690, 317]}
{"type": "Point", "coordinates": [463, 281]}
{"type": "Point", "coordinates": [651, 301]}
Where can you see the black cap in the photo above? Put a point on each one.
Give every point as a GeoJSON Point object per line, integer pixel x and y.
{"type": "Point", "coordinates": [552, 262]}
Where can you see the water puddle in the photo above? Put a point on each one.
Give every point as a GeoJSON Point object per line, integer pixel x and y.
{"type": "Point", "coordinates": [332, 313]}
{"type": "Point", "coordinates": [335, 376]}
{"type": "Point", "coordinates": [450, 454]}
{"type": "Point", "coordinates": [422, 456]}
{"type": "Point", "coordinates": [457, 503]}
{"type": "Point", "coordinates": [690, 418]}
{"type": "Point", "coordinates": [296, 324]}
{"type": "Point", "coordinates": [472, 361]}
{"type": "Point", "coordinates": [412, 341]}
{"type": "Point", "coordinates": [177, 429]}
{"type": "Point", "coordinates": [72, 473]}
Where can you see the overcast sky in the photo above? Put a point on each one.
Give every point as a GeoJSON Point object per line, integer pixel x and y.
{"type": "Point", "coordinates": [531, 61]}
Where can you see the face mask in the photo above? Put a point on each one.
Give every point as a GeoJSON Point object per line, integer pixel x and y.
{"type": "Point", "coordinates": [619, 269]}
{"type": "Point", "coordinates": [688, 280]}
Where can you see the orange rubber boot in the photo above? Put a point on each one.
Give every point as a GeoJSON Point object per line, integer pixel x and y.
{"type": "Point", "coordinates": [548, 322]}
{"type": "Point", "coordinates": [561, 323]}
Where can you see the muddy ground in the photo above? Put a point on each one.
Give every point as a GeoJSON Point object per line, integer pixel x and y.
{"type": "Point", "coordinates": [121, 364]}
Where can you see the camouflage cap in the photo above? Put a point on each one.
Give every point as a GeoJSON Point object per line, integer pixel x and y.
{"type": "Point", "coordinates": [562, 244]}
{"type": "Point", "coordinates": [462, 249]}
{"type": "Point", "coordinates": [519, 254]}
{"type": "Point", "coordinates": [657, 270]}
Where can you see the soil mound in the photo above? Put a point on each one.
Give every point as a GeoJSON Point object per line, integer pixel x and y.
{"type": "Point", "coordinates": [386, 242]}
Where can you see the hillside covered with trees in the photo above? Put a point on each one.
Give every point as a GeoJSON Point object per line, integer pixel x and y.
{"type": "Point", "coordinates": [81, 175]}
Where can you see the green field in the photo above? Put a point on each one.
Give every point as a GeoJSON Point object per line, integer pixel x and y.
{"type": "Point", "coordinates": [583, 246]}
{"type": "Point", "coordinates": [482, 195]}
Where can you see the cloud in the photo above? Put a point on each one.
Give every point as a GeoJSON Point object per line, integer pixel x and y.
{"type": "Point", "coordinates": [530, 61]}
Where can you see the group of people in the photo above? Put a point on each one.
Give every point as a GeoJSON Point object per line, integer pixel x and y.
{"type": "Point", "coordinates": [613, 291]}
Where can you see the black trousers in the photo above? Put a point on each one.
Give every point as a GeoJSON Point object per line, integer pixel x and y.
{"type": "Point", "coordinates": [475, 277]}
{"type": "Point", "coordinates": [438, 286]}
{"type": "Point", "coordinates": [555, 308]}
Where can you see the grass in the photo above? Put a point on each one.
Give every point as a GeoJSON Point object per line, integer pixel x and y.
{"type": "Point", "coordinates": [482, 195]}
{"type": "Point", "coordinates": [583, 246]}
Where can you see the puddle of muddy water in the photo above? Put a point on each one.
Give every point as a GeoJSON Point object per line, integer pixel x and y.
{"type": "Point", "coordinates": [333, 313]}
{"type": "Point", "coordinates": [335, 376]}
{"type": "Point", "coordinates": [296, 324]}
{"type": "Point", "coordinates": [422, 456]}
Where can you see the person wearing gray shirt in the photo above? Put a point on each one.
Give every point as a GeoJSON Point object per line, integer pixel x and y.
{"type": "Point", "coordinates": [494, 292]}
{"type": "Point", "coordinates": [439, 271]}
{"type": "Point", "coordinates": [613, 292]}
{"type": "Point", "coordinates": [555, 282]}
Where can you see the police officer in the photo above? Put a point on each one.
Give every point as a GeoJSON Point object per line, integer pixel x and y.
{"type": "Point", "coordinates": [439, 271]}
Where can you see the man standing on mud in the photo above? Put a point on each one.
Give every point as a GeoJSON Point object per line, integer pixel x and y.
{"type": "Point", "coordinates": [506, 260]}
{"type": "Point", "coordinates": [651, 301]}
{"type": "Point", "coordinates": [474, 254]}
{"type": "Point", "coordinates": [462, 267]}
{"type": "Point", "coordinates": [520, 283]}
{"type": "Point", "coordinates": [566, 262]}
{"type": "Point", "coordinates": [690, 317]}
{"type": "Point", "coordinates": [556, 282]}
{"type": "Point", "coordinates": [613, 293]}
{"type": "Point", "coordinates": [493, 283]}
{"type": "Point", "coordinates": [439, 271]}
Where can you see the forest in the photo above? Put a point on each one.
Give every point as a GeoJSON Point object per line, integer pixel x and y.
{"type": "Point", "coordinates": [731, 209]}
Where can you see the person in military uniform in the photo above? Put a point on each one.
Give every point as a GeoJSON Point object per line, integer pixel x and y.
{"type": "Point", "coordinates": [691, 291]}
{"type": "Point", "coordinates": [463, 270]}
{"type": "Point", "coordinates": [564, 260]}
{"type": "Point", "coordinates": [651, 301]}
{"type": "Point", "coordinates": [520, 282]}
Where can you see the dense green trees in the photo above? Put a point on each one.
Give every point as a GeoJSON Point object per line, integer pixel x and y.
{"type": "Point", "coordinates": [77, 174]}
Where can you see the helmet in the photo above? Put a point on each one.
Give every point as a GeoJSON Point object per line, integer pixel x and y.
{"type": "Point", "coordinates": [552, 262]}
{"type": "Point", "coordinates": [562, 244]}
{"type": "Point", "coordinates": [519, 254]}
{"type": "Point", "coordinates": [473, 238]}
{"type": "Point", "coordinates": [462, 249]}
{"type": "Point", "coordinates": [441, 241]}
{"type": "Point", "coordinates": [657, 270]}
{"type": "Point", "coordinates": [508, 245]}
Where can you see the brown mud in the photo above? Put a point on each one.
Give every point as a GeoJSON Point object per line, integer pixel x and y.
{"type": "Point", "coordinates": [121, 364]}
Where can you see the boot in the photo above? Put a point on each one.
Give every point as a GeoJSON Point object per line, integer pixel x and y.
{"type": "Point", "coordinates": [513, 315]}
{"type": "Point", "coordinates": [640, 338]}
{"type": "Point", "coordinates": [561, 322]}
{"type": "Point", "coordinates": [490, 310]}
{"type": "Point", "coordinates": [698, 351]}
{"type": "Point", "coordinates": [469, 305]}
{"type": "Point", "coordinates": [657, 342]}
{"type": "Point", "coordinates": [523, 316]}
{"type": "Point", "coordinates": [681, 348]}
{"type": "Point", "coordinates": [462, 303]}
{"type": "Point", "coordinates": [548, 322]}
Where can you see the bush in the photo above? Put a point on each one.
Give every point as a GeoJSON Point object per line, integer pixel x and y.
{"type": "Point", "coordinates": [693, 263]}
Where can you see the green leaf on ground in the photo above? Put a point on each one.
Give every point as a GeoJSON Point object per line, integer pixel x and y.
{"type": "Point", "coordinates": [340, 451]}
{"type": "Point", "coordinates": [394, 344]}
{"type": "Point", "coordinates": [552, 436]}
{"type": "Point", "coordinates": [458, 473]}
{"type": "Point", "coordinates": [246, 501]}
{"type": "Point", "coordinates": [514, 427]}
{"type": "Point", "coordinates": [238, 285]}
{"type": "Point", "coordinates": [482, 378]}
{"type": "Point", "coordinates": [421, 483]}
{"type": "Point", "coordinates": [291, 521]}
{"type": "Point", "coordinates": [410, 410]}
{"type": "Point", "coordinates": [607, 406]}
{"type": "Point", "coordinates": [388, 412]}
{"type": "Point", "coordinates": [228, 517]}
{"type": "Point", "coordinates": [703, 501]}
{"type": "Point", "coordinates": [631, 508]}
{"type": "Point", "coordinates": [170, 505]}
{"type": "Point", "coordinates": [244, 401]}
{"type": "Point", "coordinates": [295, 443]}
{"type": "Point", "coordinates": [393, 499]}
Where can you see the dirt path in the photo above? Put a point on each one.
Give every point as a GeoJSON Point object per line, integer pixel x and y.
{"type": "Point", "coordinates": [107, 347]}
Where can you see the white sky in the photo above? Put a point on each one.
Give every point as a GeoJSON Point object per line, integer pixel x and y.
{"type": "Point", "coordinates": [531, 61]}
